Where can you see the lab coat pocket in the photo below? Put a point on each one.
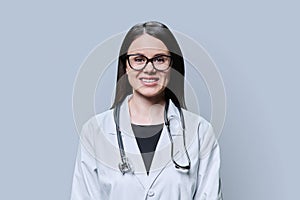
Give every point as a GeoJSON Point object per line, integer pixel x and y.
{"type": "Point", "coordinates": [114, 184]}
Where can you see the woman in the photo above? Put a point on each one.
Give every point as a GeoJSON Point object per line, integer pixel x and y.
{"type": "Point", "coordinates": [148, 146]}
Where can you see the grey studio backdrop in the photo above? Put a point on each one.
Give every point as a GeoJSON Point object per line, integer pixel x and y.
{"type": "Point", "coordinates": [255, 45]}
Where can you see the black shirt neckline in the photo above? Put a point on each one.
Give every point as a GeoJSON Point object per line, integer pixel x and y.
{"type": "Point", "coordinates": [147, 137]}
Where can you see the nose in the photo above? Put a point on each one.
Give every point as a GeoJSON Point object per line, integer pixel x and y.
{"type": "Point", "coordinates": [149, 68]}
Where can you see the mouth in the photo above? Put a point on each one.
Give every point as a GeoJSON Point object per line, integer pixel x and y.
{"type": "Point", "coordinates": [149, 81]}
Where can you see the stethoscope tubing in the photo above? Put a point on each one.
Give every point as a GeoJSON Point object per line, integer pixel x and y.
{"type": "Point", "coordinates": [125, 166]}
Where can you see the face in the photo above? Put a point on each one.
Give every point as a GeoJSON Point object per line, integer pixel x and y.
{"type": "Point", "coordinates": [148, 82]}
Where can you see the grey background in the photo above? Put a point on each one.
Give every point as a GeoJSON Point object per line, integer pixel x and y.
{"type": "Point", "coordinates": [254, 43]}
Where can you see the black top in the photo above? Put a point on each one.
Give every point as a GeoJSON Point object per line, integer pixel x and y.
{"type": "Point", "coordinates": [147, 137]}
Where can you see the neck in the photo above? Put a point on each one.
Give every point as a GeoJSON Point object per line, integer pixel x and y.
{"type": "Point", "coordinates": [146, 110]}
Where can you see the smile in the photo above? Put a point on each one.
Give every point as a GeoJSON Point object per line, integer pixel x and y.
{"type": "Point", "coordinates": [149, 80]}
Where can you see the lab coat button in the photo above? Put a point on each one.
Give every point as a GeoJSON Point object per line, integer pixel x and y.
{"type": "Point", "coordinates": [151, 193]}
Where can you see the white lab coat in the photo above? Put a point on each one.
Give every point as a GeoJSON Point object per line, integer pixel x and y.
{"type": "Point", "coordinates": [97, 176]}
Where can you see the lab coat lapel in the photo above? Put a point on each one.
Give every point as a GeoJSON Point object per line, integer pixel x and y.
{"type": "Point", "coordinates": [163, 150]}
{"type": "Point", "coordinates": [130, 145]}
{"type": "Point", "coordinates": [162, 156]}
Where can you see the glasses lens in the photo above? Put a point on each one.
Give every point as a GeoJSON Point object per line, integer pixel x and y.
{"type": "Point", "coordinates": [162, 62]}
{"type": "Point", "coordinates": [137, 62]}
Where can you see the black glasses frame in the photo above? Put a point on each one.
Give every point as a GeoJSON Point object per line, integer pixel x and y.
{"type": "Point", "coordinates": [149, 60]}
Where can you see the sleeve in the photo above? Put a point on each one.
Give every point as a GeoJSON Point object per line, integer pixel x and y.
{"type": "Point", "coordinates": [85, 184]}
{"type": "Point", "coordinates": [209, 181]}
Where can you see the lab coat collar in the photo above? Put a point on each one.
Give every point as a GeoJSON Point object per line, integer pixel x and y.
{"type": "Point", "coordinates": [125, 122]}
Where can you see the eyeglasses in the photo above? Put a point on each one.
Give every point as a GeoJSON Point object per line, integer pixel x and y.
{"type": "Point", "coordinates": [139, 62]}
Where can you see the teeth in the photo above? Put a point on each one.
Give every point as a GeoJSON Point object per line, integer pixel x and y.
{"type": "Point", "coordinates": [148, 80]}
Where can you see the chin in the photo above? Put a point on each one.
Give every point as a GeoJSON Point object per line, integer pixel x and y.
{"type": "Point", "coordinates": [151, 93]}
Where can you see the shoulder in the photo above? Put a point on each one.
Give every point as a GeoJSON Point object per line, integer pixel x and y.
{"type": "Point", "coordinates": [196, 120]}
{"type": "Point", "coordinates": [96, 124]}
{"type": "Point", "coordinates": [98, 119]}
{"type": "Point", "coordinates": [205, 132]}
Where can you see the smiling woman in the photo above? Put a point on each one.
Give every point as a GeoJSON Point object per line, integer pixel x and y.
{"type": "Point", "coordinates": [165, 151]}
{"type": "Point", "coordinates": [143, 76]}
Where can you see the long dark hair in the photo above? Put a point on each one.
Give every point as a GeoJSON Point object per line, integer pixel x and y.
{"type": "Point", "coordinates": [175, 87]}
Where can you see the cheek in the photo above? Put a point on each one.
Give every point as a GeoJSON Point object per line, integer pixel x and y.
{"type": "Point", "coordinates": [132, 78]}
{"type": "Point", "coordinates": [166, 78]}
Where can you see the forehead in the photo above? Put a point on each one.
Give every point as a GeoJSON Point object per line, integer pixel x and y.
{"type": "Point", "coordinates": [147, 44]}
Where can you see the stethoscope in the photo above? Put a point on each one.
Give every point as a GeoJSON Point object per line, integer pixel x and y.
{"type": "Point", "coordinates": [125, 166]}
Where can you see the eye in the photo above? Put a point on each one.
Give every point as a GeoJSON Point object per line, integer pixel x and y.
{"type": "Point", "coordinates": [139, 59]}
{"type": "Point", "coordinates": [159, 59]}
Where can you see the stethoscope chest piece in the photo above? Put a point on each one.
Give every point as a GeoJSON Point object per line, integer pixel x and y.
{"type": "Point", "coordinates": [125, 166]}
